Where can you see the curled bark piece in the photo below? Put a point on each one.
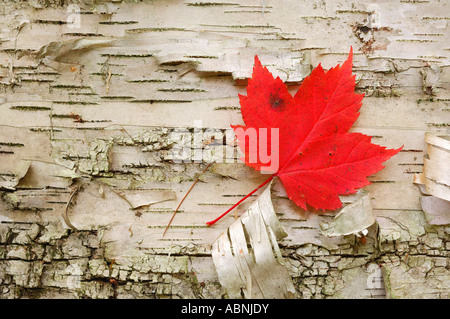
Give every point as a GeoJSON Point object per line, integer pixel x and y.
{"type": "Point", "coordinates": [19, 171]}
{"type": "Point", "coordinates": [143, 198]}
{"type": "Point", "coordinates": [45, 174]}
{"type": "Point", "coordinates": [57, 50]}
{"type": "Point", "coordinates": [437, 210]}
{"type": "Point", "coordinates": [352, 219]}
{"type": "Point", "coordinates": [435, 176]}
{"type": "Point", "coordinates": [64, 214]}
{"type": "Point", "coordinates": [247, 257]}
{"type": "Point", "coordinates": [434, 181]}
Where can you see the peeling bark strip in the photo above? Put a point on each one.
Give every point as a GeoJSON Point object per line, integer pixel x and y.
{"type": "Point", "coordinates": [436, 171]}
{"type": "Point", "coordinates": [434, 181]}
{"type": "Point", "coordinates": [90, 93]}
{"type": "Point", "coordinates": [354, 218]}
{"type": "Point", "coordinates": [64, 215]}
{"type": "Point", "coordinates": [247, 258]}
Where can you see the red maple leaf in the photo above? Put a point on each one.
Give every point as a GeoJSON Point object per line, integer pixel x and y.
{"type": "Point", "coordinates": [318, 159]}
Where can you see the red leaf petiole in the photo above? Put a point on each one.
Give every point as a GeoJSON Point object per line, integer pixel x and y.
{"type": "Point", "coordinates": [212, 222]}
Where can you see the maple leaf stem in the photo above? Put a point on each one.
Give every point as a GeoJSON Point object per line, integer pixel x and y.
{"type": "Point", "coordinates": [212, 222]}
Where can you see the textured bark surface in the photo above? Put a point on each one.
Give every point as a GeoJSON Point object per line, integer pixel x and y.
{"type": "Point", "coordinates": [92, 92]}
